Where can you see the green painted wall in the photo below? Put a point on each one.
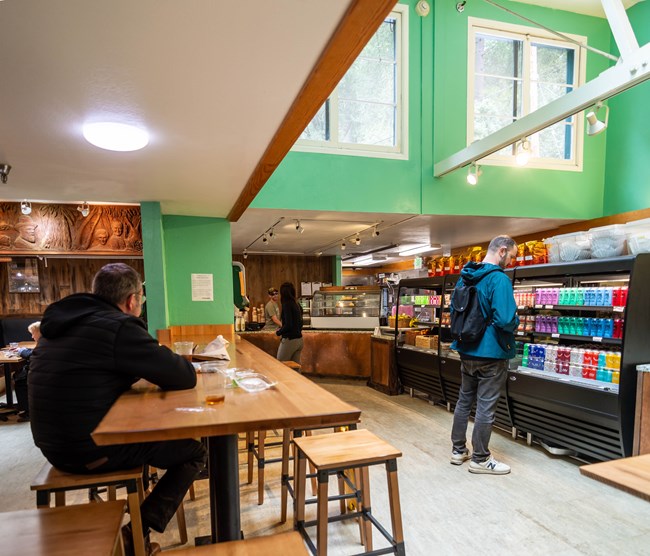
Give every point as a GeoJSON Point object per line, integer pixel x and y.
{"type": "Point", "coordinates": [627, 178]}
{"type": "Point", "coordinates": [195, 245]}
{"type": "Point", "coordinates": [154, 266]}
{"type": "Point", "coordinates": [438, 95]}
{"type": "Point", "coordinates": [507, 191]}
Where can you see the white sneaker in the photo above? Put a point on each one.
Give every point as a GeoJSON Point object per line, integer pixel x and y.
{"type": "Point", "coordinates": [489, 466]}
{"type": "Point", "coordinates": [458, 458]}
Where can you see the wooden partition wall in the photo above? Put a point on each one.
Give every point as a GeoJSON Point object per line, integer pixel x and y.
{"type": "Point", "coordinates": [265, 271]}
{"type": "Point", "coordinates": [57, 278]}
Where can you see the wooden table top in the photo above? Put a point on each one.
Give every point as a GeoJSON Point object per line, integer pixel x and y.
{"type": "Point", "coordinates": [63, 531]}
{"type": "Point", "coordinates": [629, 474]}
{"type": "Point", "coordinates": [149, 414]}
{"type": "Point", "coordinates": [4, 358]}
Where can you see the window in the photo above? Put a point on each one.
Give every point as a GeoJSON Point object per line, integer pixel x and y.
{"type": "Point", "coordinates": [513, 71]}
{"type": "Point", "coordinates": [366, 113]}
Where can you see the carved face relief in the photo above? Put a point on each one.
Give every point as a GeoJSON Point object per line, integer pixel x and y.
{"type": "Point", "coordinates": [101, 236]}
{"type": "Point", "coordinates": [117, 228]}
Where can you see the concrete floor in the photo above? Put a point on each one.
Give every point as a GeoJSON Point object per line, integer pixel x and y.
{"type": "Point", "coordinates": [544, 506]}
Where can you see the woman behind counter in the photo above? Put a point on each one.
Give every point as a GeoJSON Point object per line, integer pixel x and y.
{"type": "Point", "coordinates": [291, 329]}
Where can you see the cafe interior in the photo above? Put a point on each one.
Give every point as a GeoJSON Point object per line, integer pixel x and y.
{"type": "Point", "coordinates": [223, 192]}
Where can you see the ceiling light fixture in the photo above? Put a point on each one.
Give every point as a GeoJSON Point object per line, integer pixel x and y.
{"type": "Point", "coordinates": [4, 172]}
{"type": "Point", "coordinates": [84, 209]}
{"type": "Point", "coordinates": [116, 137]}
{"type": "Point", "coordinates": [318, 253]}
{"type": "Point", "coordinates": [417, 249]}
{"type": "Point", "coordinates": [363, 260]}
{"type": "Point", "coordinates": [473, 173]}
{"type": "Point", "coordinates": [595, 125]}
{"type": "Point", "coordinates": [357, 240]}
{"type": "Point", "coordinates": [299, 228]}
{"type": "Point", "coordinates": [265, 239]}
{"type": "Point", "coordinates": [343, 246]}
{"type": "Point", "coordinates": [26, 207]}
{"type": "Point", "coordinates": [271, 233]}
{"type": "Point", "coordinates": [375, 232]}
{"type": "Point", "coordinates": [523, 152]}
{"type": "Point", "coordinates": [245, 253]}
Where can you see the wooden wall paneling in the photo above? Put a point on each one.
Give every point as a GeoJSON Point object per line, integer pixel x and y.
{"type": "Point", "coordinates": [264, 271]}
{"type": "Point", "coordinates": [58, 277]}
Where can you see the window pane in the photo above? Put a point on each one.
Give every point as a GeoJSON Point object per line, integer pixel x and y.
{"type": "Point", "coordinates": [498, 96]}
{"type": "Point", "coordinates": [318, 128]}
{"type": "Point", "coordinates": [552, 63]}
{"type": "Point", "coordinates": [382, 45]}
{"type": "Point", "coordinates": [369, 79]}
{"type": "Point", "coordinates": [485, 125]}
{"type": "Point", "coordinates": [554, 142]}
{"type": "Point", "coordinates": [498, 56]}
{"type": "Point", "coordinates": [366, 124]}
{"type": "Point", "coordinates": [543, 93]}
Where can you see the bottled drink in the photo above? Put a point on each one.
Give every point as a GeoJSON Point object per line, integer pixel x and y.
{"type": "Point", "coordinates": [607, 297]}
{"type": "Point", "coordinates": [580, 296]}
{"type": "Point", "coordinates": [608, 328]}
{"type": "Point", "coordinates": [624, 296]}
{"type": "Point", "coordinates": [616, 377]}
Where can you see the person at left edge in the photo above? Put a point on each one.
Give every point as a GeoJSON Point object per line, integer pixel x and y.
{"type": "Point", "coordinates": [92, 349]}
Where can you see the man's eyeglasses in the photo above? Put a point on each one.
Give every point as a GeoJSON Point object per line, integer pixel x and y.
{"type": "Point", "coordinates": [143, 297]}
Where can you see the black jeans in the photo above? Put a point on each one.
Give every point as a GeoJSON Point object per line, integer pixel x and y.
{"type": "Point", "coordinates": [182, 459]}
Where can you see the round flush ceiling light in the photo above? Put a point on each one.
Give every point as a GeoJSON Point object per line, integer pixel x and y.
{"type": "Point", "coordinates": [115, 137]}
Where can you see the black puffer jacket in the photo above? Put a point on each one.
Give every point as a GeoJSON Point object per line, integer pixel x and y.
{"type": "Point", "coordinates": [89, 354]}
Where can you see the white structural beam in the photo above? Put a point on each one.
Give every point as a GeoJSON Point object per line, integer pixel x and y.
{"type": "Point", "coordinates": [621, 28]}
{"type": "Point", "coordinates": [633, 69]}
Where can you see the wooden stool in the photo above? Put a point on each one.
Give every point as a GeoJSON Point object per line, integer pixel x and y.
{"type": "Point", "coordinates": [50, 480]}
{"type": "Point", "coordinates": [336, 453]}
{"type": "Point", "coordinates": [292, 365]}
{"type": "Point", "coordinates": [286, 488]}
{"type": "Point", "coordinates": [82, 529]}
{"type": "Point", "coordinates": [282, 544]}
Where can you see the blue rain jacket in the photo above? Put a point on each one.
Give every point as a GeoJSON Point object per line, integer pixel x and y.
{"type": "Point", "coordinates": [498, 303]}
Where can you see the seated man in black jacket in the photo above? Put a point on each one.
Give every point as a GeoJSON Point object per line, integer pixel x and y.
{"type": "Point", "coordinates": [93, 348]}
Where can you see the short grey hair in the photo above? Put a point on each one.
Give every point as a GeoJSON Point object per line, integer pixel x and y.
{"type": "Point", "coordinates": [34, 326]}
{"type": "Point", "coordinates": [501, 241]}
{"type": "Point", "coordinates": [115, 282]}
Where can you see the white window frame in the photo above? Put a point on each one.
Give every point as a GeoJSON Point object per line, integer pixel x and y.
{"type": "Point", "coordinates": [521, 32]}
{"type": "Point", "coordinates": [400, 150]}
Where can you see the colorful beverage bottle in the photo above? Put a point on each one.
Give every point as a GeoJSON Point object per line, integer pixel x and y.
{"type": "Point", "coordinates": [624, 290]}
{"type": "Point", "coordinates": [607, 297]}
{"type": "Point", "coordinates": [580, 296]}
{"type": "Point", "coordinates": [616, 297]}
{"type": "Point", "coordinates": [608, 328]}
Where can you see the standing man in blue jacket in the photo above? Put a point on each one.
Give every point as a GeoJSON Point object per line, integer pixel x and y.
{"type": "Point", "coordinates": [484, 364]}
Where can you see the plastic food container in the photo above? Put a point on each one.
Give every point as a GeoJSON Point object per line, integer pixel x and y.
{"type": "Point", "coordinates": [569, 247]}
{"type": "Point", "coordinates": [638, 236]}
{"type": "Point", "coordinates": [254, 382]}
{"type": "Point", "coordinates": [607, 241]}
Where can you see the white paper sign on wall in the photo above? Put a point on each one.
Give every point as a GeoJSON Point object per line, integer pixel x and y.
{"type": "Point", "coordinates": [202, 287]}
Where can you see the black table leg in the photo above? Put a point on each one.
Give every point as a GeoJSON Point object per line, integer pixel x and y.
{"type": "Point", "coordinates": [8, 388]}
{"type": "Point", "coordinates": [224, 488]}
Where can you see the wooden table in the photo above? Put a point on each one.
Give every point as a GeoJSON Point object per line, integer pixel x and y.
{"type": "Point", "coordinates": [7, 363]}
{"type": "Point", "coordinates": [81, 529]}
{"type": "Point", "coordinates": [145, 416]}
{"type": "Point", "coordinates": [629, 474]}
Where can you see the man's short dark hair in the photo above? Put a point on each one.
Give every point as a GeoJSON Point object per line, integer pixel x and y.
{"type": "Point", "coordinates": [501, 241]}
{"type": "Point", "coordinates": [115, 282]}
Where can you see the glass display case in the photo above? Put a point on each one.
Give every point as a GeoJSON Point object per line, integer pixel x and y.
{"type": "Point", "coordinates": [355, 307]}
{"type": "Point", "coordinates": [305, 304]}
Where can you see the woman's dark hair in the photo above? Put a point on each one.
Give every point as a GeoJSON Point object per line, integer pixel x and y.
{"type": "Point", "coordinates": [287, 293]}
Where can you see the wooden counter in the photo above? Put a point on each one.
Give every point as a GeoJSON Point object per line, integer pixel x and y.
{"type": "Point", "coordinates": [383, 371]}
{"type": "Point", "coordinates": [336, 353]}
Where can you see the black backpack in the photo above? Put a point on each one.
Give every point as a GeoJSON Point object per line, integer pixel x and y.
{"type": "Point", "coordinates": [468, 323]}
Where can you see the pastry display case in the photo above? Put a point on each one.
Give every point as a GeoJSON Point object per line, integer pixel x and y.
{"type": "Point", "coordinates": [350, 307]}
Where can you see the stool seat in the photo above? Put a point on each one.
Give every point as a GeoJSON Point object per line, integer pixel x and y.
{"type": "Point", "coordinates": [292, 365]}
{"type": "Point", "coordinates": [350, 449]}
{"type": "Point", "coordinates": [51, 478]}
{"type": "Point", "coordinates": [282, 544]}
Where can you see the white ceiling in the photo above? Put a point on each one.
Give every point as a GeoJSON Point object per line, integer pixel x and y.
{"type": "Point", "coordinates": [211, 80]}
{"type": "Point", "coordinates": [588, 7]}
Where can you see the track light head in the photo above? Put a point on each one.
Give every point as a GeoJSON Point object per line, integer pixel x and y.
{"type": "Point", "coordinates": [26, 207]}
{"type": "Point", "coordinates": [271, 233]}
{"type": "Point", "coordinates": [4, 172]}
{"type": "Point", "coordinates": [265, 239]}
{"type": "Point", "coordinates": [523, 152]}
{"type": "Point", "coordinates": [473, 173]}
{"type": "Point", "coordinates": [357, 240]}
{"type": "Point", "coordinates": [245, 253]}
{"type": "Point", "coordinates": [84, 209]}
{"type": "Point", "coordinates": [343, 246]}
{"type": "Point", "coordinates": [299, 228]}
{"type": "Point", "coordinates": [595, 125]}
{"type": "Point", "coordinates": [375, 232]}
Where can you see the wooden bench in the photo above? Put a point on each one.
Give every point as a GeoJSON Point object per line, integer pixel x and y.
{"type": "Point", "coordinates": [51, 480]}
{"type": "Point", "coordinates": [629, 474]}
{"type": "Point", "coordinates": [282, 544]}
{"type": "Point", "coordinates": [81, 529]}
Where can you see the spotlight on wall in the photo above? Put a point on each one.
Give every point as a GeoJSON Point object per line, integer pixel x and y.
{"type": "Point", "coordinates": [473, 173]}
{"type": "Point", "coordinates": [375, 232]}
{"type": "Point", "coordinates": [523, 152]}
{"type": "Point", "coordinates": [265, 239]}
{"type": "Point", "coordinates": [84, 209]}
{"type": "Point", "coordinates": [357, 240]}
{"type": "Point", "coordinates": [26, 207]}
{"type": "Point", "coordinates": [4, 172]}
{"type": "Point", "coordinates": [343, 246]}
{"type": "Point", "coordinates": [299, 228]}
{"type": "Point", "coordinates": [595, 125]}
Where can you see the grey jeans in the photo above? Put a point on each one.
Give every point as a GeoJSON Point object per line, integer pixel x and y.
{"type": "Point", "coordinates": [482, 381]}
{"type": "Point", "coordinates": [290, 350]}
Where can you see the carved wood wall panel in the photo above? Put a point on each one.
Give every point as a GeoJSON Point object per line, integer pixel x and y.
{"type": "Point", "coordinates": [264, 271]}
{"type": "Point", "coordinates": [62, 229]}
{"type": "Point", "coordinates": [58, 277]}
